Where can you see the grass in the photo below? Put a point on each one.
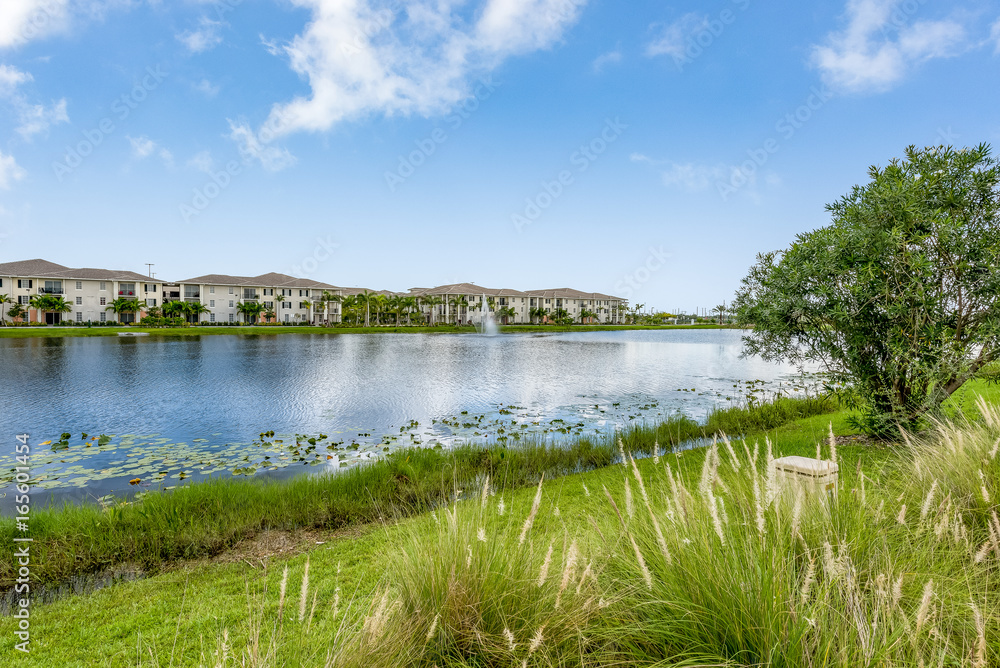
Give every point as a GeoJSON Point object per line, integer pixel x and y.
{"type": "Point", "coordinates": [248, 330]}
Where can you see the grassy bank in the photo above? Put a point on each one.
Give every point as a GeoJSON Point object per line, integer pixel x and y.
{"type": "Point", "coordinates": [62, 332]}
{"type": "Point", "coordinates": [205, 519]}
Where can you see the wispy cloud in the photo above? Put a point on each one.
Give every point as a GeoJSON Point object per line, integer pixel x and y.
{"type": "Point", "coordinates": [207, 88]}
{"type": "Point", "coordinates": [605, 59]}
{"type": "Point", "coordinates": [10, 171]}
{"type": "Point", "coordinates": [11, 78]}
{"type": "Point", "coordinates": [864, 56]}
{"type": "Point", "coordinates": [36, 119]}
{"type": "Point", "coordinates": [672, 39]}
{"type": "Point", "coordinates": [995, 36]}
{"type": "Point", "coordinates": [252, 149]}
{"type": "Point", "coordinates": [206, 36]}
{"type": "Point", "coordinates": [202, 161]}
{"type": "Point", "coordinates": [143, 147]}
{"type": "Point", "coordinates": [359, 59]}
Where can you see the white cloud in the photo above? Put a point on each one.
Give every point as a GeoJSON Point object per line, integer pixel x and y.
{"type": "Point", "coordinates": [251, 148]}
{"type": "Point", "coordinates": [24, 20]}
{"type": "Point", "coordinates": [995, 36]}
{"type": "Point", "coordinates": [674, 38]}
{"type": "Point", "coordinates": [37, 118]}
{"type": "Point", "coordinates": [693, 177]}
{"type": "Point", "coordinates": [605, 59]}
{"type": "Point", "coordinates": [864, 57]}
{"type": "Point", "coordinates": [202, 161]}
{"type": "Point", "coordinates": [206, 36]}
{"type": "Point", "coordinates": [10, 171]}
{"type": "Point", "coordinates": [422, 59]}
{"type": "Point", "coordinates": [11, 78]}
{"type": "Point", "coordinates": [207, 88]}
{"type": "Point", "coordinates": [143, 147]}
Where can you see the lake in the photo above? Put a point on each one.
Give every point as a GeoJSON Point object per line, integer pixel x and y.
{"type": "Point", "coordinates": [166, 410]}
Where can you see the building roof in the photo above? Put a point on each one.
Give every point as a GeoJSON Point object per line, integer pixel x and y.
{"type": "Point", "coordinates": [466, 289]}
{"type": "Point", "coordinates": [350, 292]}
{"type": "Point", "coordinates": [570, 293]}
{"type": "Point", "coordinates": [269, 280]}
{"type": "Point", "coordinates": [39, 268]}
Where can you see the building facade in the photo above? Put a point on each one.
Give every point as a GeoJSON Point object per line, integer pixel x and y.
{"type": "Point", "coordinates": [293, 300]}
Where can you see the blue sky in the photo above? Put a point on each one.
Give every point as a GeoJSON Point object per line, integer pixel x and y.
{"type": "Point", "coordinates": [644, 149]}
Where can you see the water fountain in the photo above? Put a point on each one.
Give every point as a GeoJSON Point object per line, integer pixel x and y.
{"type": "Point", "coordinates": [486, 326]}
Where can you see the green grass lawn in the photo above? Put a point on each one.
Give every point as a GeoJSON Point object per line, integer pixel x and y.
{"type": "Point", "coordinates": [51, 332]}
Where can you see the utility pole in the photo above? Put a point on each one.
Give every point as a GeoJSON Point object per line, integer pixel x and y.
{"type": "Point", "coordinates": [149, 268]}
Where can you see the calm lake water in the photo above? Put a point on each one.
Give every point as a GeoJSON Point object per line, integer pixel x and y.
{"type": "Point", "coordinates": [167, 410]}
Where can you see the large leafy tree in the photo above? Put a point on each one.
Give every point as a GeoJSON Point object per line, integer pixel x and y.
{"type": "Point", "coordinates": [898, 296]}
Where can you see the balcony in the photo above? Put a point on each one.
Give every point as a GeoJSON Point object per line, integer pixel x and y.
{"type": "Point", "coordinates": [50, 291]}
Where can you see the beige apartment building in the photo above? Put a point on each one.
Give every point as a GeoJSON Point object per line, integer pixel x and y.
{"type": "Point", "coordinates": [293, 300]}
{"type": "Point", "coordinates": [88, 291]}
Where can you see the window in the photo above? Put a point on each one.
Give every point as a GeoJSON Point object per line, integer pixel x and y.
{"type": "Point", "coordinates": [1, 282]}
{"type": "Point", "coordinates": [104, 301]}
{"type": "Point", "coordinates": [52, 288]}
{"type": "Point", "coordinates": [148, 287]}
{"type": "Point", "coordinates": [268, 304]}
{"type": "Point", "coordinates": [230, 303]}
{"type": "Point", "coordinates": [104, 316]}
{"type": "Point", "coordinates": [211, 303]}
{"type": "Point", "coordinates": [548, 301]}
{"type": "Point", "coordinates": [286, 317]}
{"type": "Point", "coordinates": [230, 291]}
{"type": "Point", "coordinates": [303, 306]}
{"type": "Point", "coordinates": [79, 316]}
{"type": "Point", "coordinates": [211, 317]}
{"type": "Point", "coordinates": [79, 300]}
{"type": "Point", "coordinates": [151, 302]}
{"type": "Point", "coordinates": [126, 289]}
{"type": "Point", "coordinates": [286, 305]}
{"type": "Point", "coordinates": [192, 292]}
{"type": "Point", "coordinates": [230, 317]}
{"type": "Point", "coordinates": [249, 293]}
{"type": "Point", "coordinates": [79, 285]}
{"type": "Point", "coordinates": [21, 283]}
{"type": "Point", "coordinates": [23, 299]}
{"type": "Point", "coordinates": [104, 286]}
{"type": "Point", "coordinates": [211, 289]}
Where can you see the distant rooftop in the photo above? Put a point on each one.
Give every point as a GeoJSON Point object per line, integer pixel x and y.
{"type": "Point", "coordinates": [39, 268]}
{"type": "Point", "coordinates": [270, 280]}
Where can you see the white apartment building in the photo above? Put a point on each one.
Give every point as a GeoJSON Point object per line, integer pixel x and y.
{"type": "Point", "coordinates": [606, 308]}
{"type": "Point", "coordinates": [88, 291]}
{"type": "Point", "coordinates": [294, 300]}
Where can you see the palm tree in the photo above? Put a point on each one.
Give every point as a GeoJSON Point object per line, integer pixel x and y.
{"type": "Point", "coordinates": [584, 314]}
{"type": "Point", "coordinates": [432, 301]}
{"type": "Point", "coordinates": [249, 311]}
{"type": "Point", "coordinates": [50, 304]}
{"type": "Point", "coordinates": [506, 312]}
{"type": "Point", "coordinates": [457, 303]}
{"type": "Point", "coordinates": [16, 311]}
{"type": "Point", "coordinates": [174, 309]}
{"type": "Point", "coordinates": [327, 299]}
{"type": "Point", "coordinates": [123, 306]}
{"type": "Point", "coordinates": [269, 313]}
{"type": "Point", "coordinates": [307, 305]}
{"type": "Point", "coordinates": [381, 303]}
{"type": "Point", "coordinates": [4, 299]}
{"type": "Point", "coordinates": [195, 309]}
{"type": "Point", "coordinates": [349, 305]}
{"type": "Point", "coordinates": [408, 306]}
{"type": "Point", "coordinates": [721, 310]}
{"type": "Point", "coordinates": [365, 298]}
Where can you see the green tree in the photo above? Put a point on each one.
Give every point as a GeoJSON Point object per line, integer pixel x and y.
{"type": "Point", "coordinates": [4, 299]}
{"type": "Point", "coordinates": [720, 310]}
{"type": "Point", "coordinates": [585, 313]}
{"type": "Point", "coordinates": [898, 296]}
{"type": "Point", "coordinates": [194, 310]}
{"type": "Point", "coordinates": [123, 306]}
{"type": "Point", "coordinates": [349, 308]}
{"type": "Point", "coordinates": [16, 311]}
{"type": "Point", "coordinates": [249, 310]}
{"type": "Point", "coordinates": [506, 313]}
{"type": "Point", "coordinates": [457, 303]}
{"type": "Point", "coordinates": [431, 301]}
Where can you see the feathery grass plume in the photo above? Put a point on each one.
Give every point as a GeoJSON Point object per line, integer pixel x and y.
{"type": "Point", "coordinates": [675, 494]}
{"type": "Point", "coordinates": [621, 451]}
{"type": "Point", "coordinates": [797, 510]}
{"type": "Point", "coordinates": [713, 509]}
{"type": "Point", "coordinates": [501, 507]}
{"type": "Point", "coordinates": [485, 494]}
{"type": "Point", "coordinates": [901, 517]}
{"type": "Point", "coordinates": [830, 565]}
{"type": "Point", "coordinates": [568, 570]}
{"type": "Point", "coordinates": [543, 572]}
{"type": "Point", "coordinates": [758, 506]}
{"type": "Point", "coordinates": [996, 447]}
{"type": "Point", "coordinates": [928, 500]}
{"type": "Point", "coordinates": [772, 476]}
{"type": "Point", "coordinates": [833, 445]}
{"type": "Point", "coordinates": [979, 659]}
{"type": "Point", "coordinates": [897, 592]}
{"type": "Point", "coordinates": [808, 581]}
{"type": "Point", "coordinates": [990, 544]}
{"type": "Point", "coordinates": [656, 452]}
{"type": "Point", "coordinates": [534, 511]}
{"type": "Point", "coordinates": [434, 627]}
{"type": "Point", "coordinates": [629, 503]}
{"type": "Point", "coordinates": [819, 450]}
{"type": "Point", "coordinates": [511, 645]}
{"type": "Point", "coordinates": [982, 487]}
{"type": "Point", "coordinates": [587, 572]}
{"type": "Point", "coordinates": [734, 460]}
{"type": "Point", "coordinates": [304, 592]}
{"type": "Point", "coordinates": [481, 535]}
{"type": "Point", "coordinates": [556, 512]}
{"type": "Point", "coordinates": [372, 627]}
{"type": "Point", "coordinates": [281, 592]}
{"type": "Point", "coordinates": [586, 490]}
{"type": "Point", "coordinates": [646, 576]}
{"type": "Point", "coordinates": [652, 516]}
{"type": "Point", "coordinates": [923, 612]}
{"type": "Point", "coordinates": [468, 556]}
{"type": "Point", "coordinates": [312, 610]}
{"type": "Point", "coordinates": [536, 642]}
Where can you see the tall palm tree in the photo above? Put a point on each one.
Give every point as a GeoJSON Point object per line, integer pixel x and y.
{"type": "Point", "coordinates": [349, 305]}
{"type": "Point", "coordinates": [195, 309]}
{"type": "Point", "coordinates": [584, 314]}
{"type": "Point", "coordinates": [308, 306]}
{"type": "Point", "coordinates": [457, 303]}
{"type": "Point", "coordinates": [381, 303]}
{"type": "Point", "coordinates": [174, 309]}
{"type": "Point", "coordinates": [431, 301]}
{"type": "Point", "coordinates": [4, 299]}
{"type": "Point", "coordinates": [505, 313]}
{"type": "Point", "coordinates": [50, 304]}
{"type": "Point", "coordinates": [124, 306]}
{"type": "Point", "coordinates": [329, 298]}
{"type": "Point", "coordinates": [721, 310]}
{"type": "Point", "coordinates": [365, 299]}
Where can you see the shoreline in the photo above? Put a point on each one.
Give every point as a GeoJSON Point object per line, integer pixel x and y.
{"type": "Point", "coordinates": [256, 330]}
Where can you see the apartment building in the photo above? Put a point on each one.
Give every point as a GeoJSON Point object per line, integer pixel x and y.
{"type": "Point", "coordinates": [292, 299]}
{"type": "Point", "coordinates": [606, 308]}
{"type": "Point", "coordinates": [88, 291]}
{"type": "Point", "coordinates": [463, 301]}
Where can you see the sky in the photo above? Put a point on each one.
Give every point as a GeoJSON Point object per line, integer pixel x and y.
{"type": "Point", "coordinates": [647, 150]}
